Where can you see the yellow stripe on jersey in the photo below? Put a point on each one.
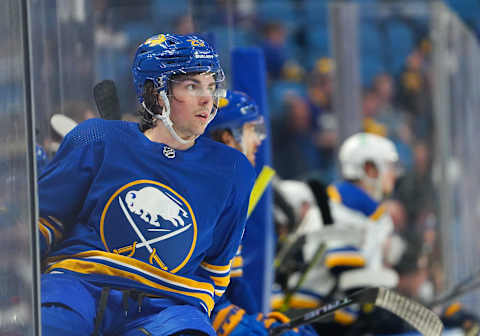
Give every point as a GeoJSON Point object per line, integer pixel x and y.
{"type": "Point", "coordinates": [219, 292]}
{"type": "Point", "coordinates": [378, 213]}
{"type": "Point", "coordinates": [344, 260]}
{"type": "Point", "coordinates": [333, 194]}
{"type": "Point", "coordinates": [88, 267]}
{"type": "Point", "coordinates": [237, 262]}
{"type": "Point", "coordinates": [56, 220]}
{"type": "Point", "coordinates": [221, 281]}
{"type": "Point", "coordinates": [216, 268]}
{"type": "Point", "coordinates": [141, 267]}
{"type": "Point", "coordinates": [236, 273]}
{"type": "Point", "coordinates": [259, 187]}
{"type": "Point", "coordinates": [57, 234]}
{"type": "Point", "coordinates": [45, 232]}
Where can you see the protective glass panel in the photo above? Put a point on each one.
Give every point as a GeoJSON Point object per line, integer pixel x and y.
{"type": "Point", "coordinates": [332, 71]}
{"type": "Point", "coordinates": [457, 97]}
{"type": "Point", "coordinates": [16, 262]}
{"type": "Point", "coordinates": [386, 90]}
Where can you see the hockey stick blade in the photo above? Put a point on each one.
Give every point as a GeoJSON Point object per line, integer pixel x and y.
{"type": "Point", "coordinates": [420, 317]}
{"type": "Point", "coordinates": [106, 98]}
{"type": "Point", "coordinates": [417, 315]}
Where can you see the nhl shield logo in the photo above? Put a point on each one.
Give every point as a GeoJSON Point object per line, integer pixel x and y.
{"type": "Point", "coordinates": [149, 221]}
{"type": "Point", "coordinates": [169, 152]}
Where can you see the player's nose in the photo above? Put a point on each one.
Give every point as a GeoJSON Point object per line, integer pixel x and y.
{"type": "Point", "coordinates": [205, 95]}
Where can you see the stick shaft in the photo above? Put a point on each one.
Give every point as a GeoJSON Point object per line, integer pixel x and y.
{"type": "Point", "coordinates": [364, 296]}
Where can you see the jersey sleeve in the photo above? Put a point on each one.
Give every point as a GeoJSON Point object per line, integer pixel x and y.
{"type": "Point", "coordinates": [380, 227]}
{"type": "Point", "coordinates": [65, 181]}
{"type": "Point", "coordinates": [229, 229]}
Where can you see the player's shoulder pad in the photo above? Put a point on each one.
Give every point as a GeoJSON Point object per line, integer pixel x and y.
{"type": "Point", "coordinates": [225, 155]}
{"type": "Point", "coordinates": [357, 199]}
{"type": "Point", "coordinates": [94, 130]}
{"type": "Point", "coordinates": [231, 161]}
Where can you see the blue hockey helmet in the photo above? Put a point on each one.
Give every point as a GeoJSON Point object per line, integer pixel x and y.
{"type": "Point", "coordinates": [163, 56]}
{"type": "Point", "coordinates": [236, 109]}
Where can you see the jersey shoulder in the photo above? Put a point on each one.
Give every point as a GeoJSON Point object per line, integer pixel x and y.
{"type": "Point", "coordinates": [227, 160]}
{"type": "Point", "coordinates": [223, 155]}
{"type": "Point", "coordinates": [354, 198]}
{"type": "Point", "coordinates": [98, 130]}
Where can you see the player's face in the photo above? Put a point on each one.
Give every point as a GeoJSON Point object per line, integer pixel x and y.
{"type": "Point", "coordinates": [388, 179]}
{"type": "Point", "coordinates": [191, 103]}
{"type": "Point", "coordinates": [250, 140]}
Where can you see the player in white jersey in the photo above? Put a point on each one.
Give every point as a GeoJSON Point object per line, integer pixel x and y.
{"type": "Point", "coordinates": [355, 240]}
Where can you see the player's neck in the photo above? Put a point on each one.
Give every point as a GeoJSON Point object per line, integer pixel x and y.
{"type": "Point", "coordinates": [160, 134]}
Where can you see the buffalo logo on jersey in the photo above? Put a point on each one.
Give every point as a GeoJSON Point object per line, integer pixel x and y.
{"type": "Point", "coordinates": [162, 229]}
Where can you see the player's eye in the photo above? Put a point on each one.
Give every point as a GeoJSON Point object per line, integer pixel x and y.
{"type": "Point", "coordinates": [191, 87]}
{"type": "Point", "coordinates": [212, 89]}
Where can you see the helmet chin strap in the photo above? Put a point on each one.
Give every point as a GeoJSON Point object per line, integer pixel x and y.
{"type": "Point", "coordinates": [165, 118]}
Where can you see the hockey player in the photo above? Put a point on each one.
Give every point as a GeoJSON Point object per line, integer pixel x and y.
{"type": "Point", "coordinates": [140, 224]}
{"type": "Point", "coordinates": [239, 125]}
{"type": "Point", "coordinates": [355, 240]}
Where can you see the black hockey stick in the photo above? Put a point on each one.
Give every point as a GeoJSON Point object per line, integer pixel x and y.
{"type": "Point", "coordinates": [417, 315]}
{"type": "Point", "coordinates": [290, 292]}
{"type": "Point", "coordinates": [106, 98]}
{"type": "Point", "coordinates": [319, 191]}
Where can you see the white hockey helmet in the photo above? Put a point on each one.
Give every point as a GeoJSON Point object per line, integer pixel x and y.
{"type": "Point", "coordinates": [296, 193]}
{"type": "Point", "coordinates": [364, 147]}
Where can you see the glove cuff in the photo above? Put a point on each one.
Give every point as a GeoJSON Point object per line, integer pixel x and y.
{"type": "Point", "coordinates": [227, 319]}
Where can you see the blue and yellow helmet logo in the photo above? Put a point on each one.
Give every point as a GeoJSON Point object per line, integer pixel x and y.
{"type": "Point", "coordinates": [151, 222]}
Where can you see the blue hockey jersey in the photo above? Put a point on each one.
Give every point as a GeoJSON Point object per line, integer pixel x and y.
{"type": "Point", "coordinates": [123, 211]}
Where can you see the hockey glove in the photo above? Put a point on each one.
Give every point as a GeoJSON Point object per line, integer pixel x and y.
{"type": "Point", "coordinates": [232, 321]}
{"type": "Point", "coordinates": [274, 319]}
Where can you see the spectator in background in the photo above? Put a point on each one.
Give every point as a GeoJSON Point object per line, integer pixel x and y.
{"type": "Point", "coordinates": [398, 213]}
{"type": "Point", "coordinates": [78, 110]}
{"type": "Point", "coordinates": [414, 90]}
{"type": "Point", "coordinates": [416, 189]}
{"type": "Point", "coordinates": [388, 112]}
{"type": "Point", "coordinates": [413, 272]}
{"type": "Point", "coordinates": [320, 98]}
{"type": "Point", "coordinates": [275, 48]}
{"type": "Point", "coordinates": [370, 106]}
{"type": "Point", "coordinates": [392, 117]}
{"type": "Point", "coordinates": [412, 83]}
{"type": "Point", "coordinates": [183, 24]}
{"type": "Point", "coordinates": [296, 153]}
